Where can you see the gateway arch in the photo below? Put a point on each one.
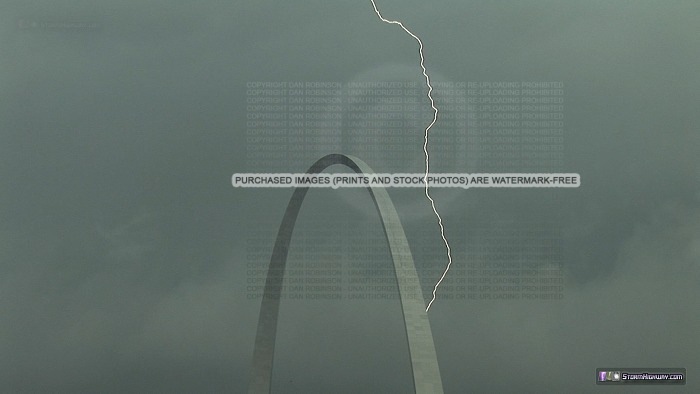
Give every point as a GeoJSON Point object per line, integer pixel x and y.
{"type": "Point", "coordinates": [424, 365]}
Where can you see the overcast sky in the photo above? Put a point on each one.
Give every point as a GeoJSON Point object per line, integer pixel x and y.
{"type": "Point", "coordinates": [123, 245]}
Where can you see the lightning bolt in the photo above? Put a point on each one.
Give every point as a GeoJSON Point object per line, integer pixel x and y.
{"type": "Point", "coordinates": [425, 146]}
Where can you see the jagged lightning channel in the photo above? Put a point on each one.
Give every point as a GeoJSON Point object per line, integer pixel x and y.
{"type": "Point", "coordinates": [425, 147]}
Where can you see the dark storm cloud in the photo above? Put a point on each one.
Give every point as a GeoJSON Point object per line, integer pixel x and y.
{"type": "Point", "coordinates": [639, 314]}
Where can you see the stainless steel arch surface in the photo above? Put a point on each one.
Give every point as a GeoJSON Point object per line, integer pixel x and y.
{"type": "Point", "coordinates": [424, 365]}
